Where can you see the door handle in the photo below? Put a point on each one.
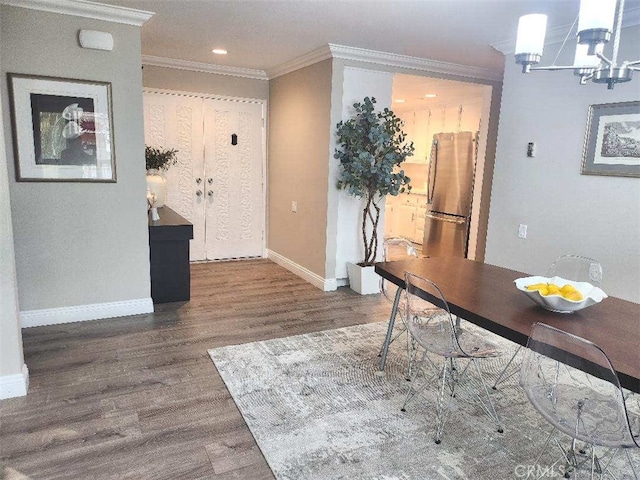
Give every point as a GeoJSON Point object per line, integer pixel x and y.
{"type": "Point", "coordinates": [210, 193]}
{"type": "Point", "coordinates": [209, 180]}
{"type": "Point", "coordinates": [199, 193]}
{"type": "Point", "coordinates": [198, 180]}
{"type": "Point", "coordinates": [459, 222]}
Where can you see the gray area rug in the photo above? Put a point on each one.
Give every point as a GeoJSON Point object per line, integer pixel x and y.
{"type": "Point", "coordinates": [318, 410]}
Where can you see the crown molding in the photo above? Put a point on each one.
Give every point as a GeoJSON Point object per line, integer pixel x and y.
{"type": "Point", "coordinates": [203, 67]}
{"type": "Point", "coordinates": [384, 58]}
{"type": "Point", "coordinates": [314, 56]}
{"type": "Point", "coordinates": [84, 8]}
{"type": "Point", "coordinates": [631, 18]}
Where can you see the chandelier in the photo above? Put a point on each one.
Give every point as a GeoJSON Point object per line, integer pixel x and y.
{"type": "Point", "coordinates": [595, 27]}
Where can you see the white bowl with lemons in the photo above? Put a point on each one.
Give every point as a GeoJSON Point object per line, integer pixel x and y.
{"type": "Point", "coordinates": [560, 295]}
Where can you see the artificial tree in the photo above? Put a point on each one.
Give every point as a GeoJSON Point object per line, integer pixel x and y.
{"type": "Point", "coordinates": [371, 148]}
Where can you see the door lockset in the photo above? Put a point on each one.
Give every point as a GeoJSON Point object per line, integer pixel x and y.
{"type": "Point", "coordinates": [210, 193]}
{"type": "Point", "coordinates": [209, 180]}
{"type": "Point", "coordinates": [199, 193]}
{"type": "Point", "coordinates": [198, 181]}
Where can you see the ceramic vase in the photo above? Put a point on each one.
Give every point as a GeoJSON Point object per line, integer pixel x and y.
{"type": "Point", "coordinates": [157, 184]}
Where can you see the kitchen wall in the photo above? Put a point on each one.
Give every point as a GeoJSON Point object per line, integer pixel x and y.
{"type": "Point", "coordinates": [80, 248]}
{"type": "Point", "coordinates": [565, 212]}
{"type": "Point", "coordinates": [299, 124]}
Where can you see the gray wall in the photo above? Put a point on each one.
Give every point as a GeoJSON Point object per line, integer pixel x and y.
{"type": "Point", "coordinates": [566, 212]}
{"type": "Point", "coordinates": [11, 357]}
{"type": "Point", "coordinates": [80, 243]}
{"type": "Point", "coordinates": [199, 82]}
{"type": "Point", "coordinates": [299, 125]}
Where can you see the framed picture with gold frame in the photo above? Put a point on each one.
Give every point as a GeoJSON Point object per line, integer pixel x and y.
{"type": "Point", "coordinates": [612, 141]}
{"type": "Point", "coordinates": [62, 129]}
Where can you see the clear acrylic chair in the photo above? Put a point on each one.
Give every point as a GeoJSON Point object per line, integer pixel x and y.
{"type": "Point", "coordinates": [588, 407]}
{"type": "Point", "coordinates": [569, 267]}
{"type": "Point", "coordinates": [430, 323]}
{"type": "Point", "coordinates": [396, 248]}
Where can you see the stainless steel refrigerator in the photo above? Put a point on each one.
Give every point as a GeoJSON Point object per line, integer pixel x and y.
{"type": "Point", "coordinates": [449, 194]}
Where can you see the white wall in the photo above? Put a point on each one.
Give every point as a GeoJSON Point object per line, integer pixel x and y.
{"type": "Point", "coordinates": [13, 381]}
{"type": "Point", "coordinates": [80, 244]}
{"type": "Point", "coordinates": [357, 84]}
{"type": "Point", "coordinates": [566, 212]}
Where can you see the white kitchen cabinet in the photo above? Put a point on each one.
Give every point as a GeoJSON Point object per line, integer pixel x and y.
{"type": "Point", "coordinates": [404, 217]}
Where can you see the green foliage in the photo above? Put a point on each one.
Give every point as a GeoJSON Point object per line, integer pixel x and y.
{"type": "Point", "coordinates": [371, 148]}
{"type": "Point", "coordinates": [159, 159]}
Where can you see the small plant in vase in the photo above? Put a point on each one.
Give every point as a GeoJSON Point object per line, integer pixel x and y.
{"type": "Point", "coordinates": [158, 160]}
{"type": "Point", "coordinates": [371, 148]}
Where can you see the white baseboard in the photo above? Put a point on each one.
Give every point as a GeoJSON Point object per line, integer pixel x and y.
{"type": "Point", "coordinates": [14, 385]}
{"type": "Point", "coordinates": [81, 313]}
{"type": "Point", "coordinates": [325, 284]}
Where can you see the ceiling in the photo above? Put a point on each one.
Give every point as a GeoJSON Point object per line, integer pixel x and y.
{"type": "Point", "coordinates": [265, 34]}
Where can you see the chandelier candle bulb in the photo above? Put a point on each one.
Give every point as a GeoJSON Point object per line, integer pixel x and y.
{"type": "Point", "coordinates": [530, 39]}
{"type": "Point", "coordinates": [595, 22]}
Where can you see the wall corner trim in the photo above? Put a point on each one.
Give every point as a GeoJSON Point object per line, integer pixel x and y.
{"type": "Point", "coordinates": [14, 385]}
{"type": "Point", "coordinates": [81, 313]}
{"type": "Point", "coordinates": [384, 58]}
{"type": "Point", "coordinates": [203, 67]}
{"type": "Point", "coordinates": [324, 284]}
{"type": "Point", "coordinates": [87, 9]}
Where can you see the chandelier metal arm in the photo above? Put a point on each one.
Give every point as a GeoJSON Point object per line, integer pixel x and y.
{"type": "Point", "coordinates": [592, 36]}
{"type": "Point", "coordinates": [552, 68]}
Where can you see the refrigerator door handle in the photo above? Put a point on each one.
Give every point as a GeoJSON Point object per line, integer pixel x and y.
{"type": "Point", "coordinates": [461, 221]}
{"type": "Point", "coordinates": [431, 183]}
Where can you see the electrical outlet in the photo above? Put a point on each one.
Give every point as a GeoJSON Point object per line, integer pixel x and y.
{"type": "Point", "coordinates": [522, 231]}
{"type": "Point", "coordinates": [294, 207]}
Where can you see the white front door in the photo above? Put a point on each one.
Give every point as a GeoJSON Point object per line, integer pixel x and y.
{"type": "Point", "coordinates": [217, 183]}
{"type": "Point", "coordinates": [235, 213]}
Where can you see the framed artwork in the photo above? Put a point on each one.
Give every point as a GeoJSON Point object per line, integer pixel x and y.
{"type": "Point", "coordinates": [62, 129]}
{"type": "Point", "coordinates": [612, 143]}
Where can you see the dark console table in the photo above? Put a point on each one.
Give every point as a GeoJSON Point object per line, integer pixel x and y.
{"type": "Point", "coordinates": [169, 257]}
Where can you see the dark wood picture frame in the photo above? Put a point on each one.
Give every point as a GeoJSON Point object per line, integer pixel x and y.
{"type": "Point", "coordinates": [612, 141]}
{"type": "Point", "coordinates": [62, 129]}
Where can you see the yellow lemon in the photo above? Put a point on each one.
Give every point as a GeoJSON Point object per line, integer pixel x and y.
{"type": "Point", "coordinates": [536, 286]}
{"type": "Point", "coordinates": [553, 289]}
{"type": "Point", "coordinates": [576, 296]}
{"type": "Point", "coordinates": [544, 291]}
{"type": "Point", "coordinates": [566, 289]}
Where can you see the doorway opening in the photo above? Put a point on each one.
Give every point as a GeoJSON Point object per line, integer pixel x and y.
{"type": "Point", "coordinates": [430, 107]}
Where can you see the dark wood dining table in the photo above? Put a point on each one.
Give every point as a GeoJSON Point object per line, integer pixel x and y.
{"type": "Point", "coordinates": [487, 296]}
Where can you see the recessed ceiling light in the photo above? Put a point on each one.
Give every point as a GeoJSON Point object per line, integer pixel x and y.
{"type": "Point", "coordinates": [399, 100]}
{"type": "Point", "coordinates": [430, 95]}
{"type": "Point", "coordinates": [219, 51]}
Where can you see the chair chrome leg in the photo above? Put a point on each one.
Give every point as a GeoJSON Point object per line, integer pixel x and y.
{"type": "Point", "coordinates": [413, 391]}
{"type": "Point", "coordinates": [544, 448]}
{"type": "Point", "coordinates": [504, 370]}
{"type": "Point", "coordinates": [442, 411]}
{"type": "Point", "coordinates": [633, 470]}
{"type": "Point", "coordinates": [490, 409]}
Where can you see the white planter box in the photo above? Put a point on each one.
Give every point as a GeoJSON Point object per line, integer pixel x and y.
{"type": "Point", "coordinates": [363, 280]}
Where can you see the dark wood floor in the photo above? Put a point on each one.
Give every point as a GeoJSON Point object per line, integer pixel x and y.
{"type": "Point", "coordinates": [138, 397]}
